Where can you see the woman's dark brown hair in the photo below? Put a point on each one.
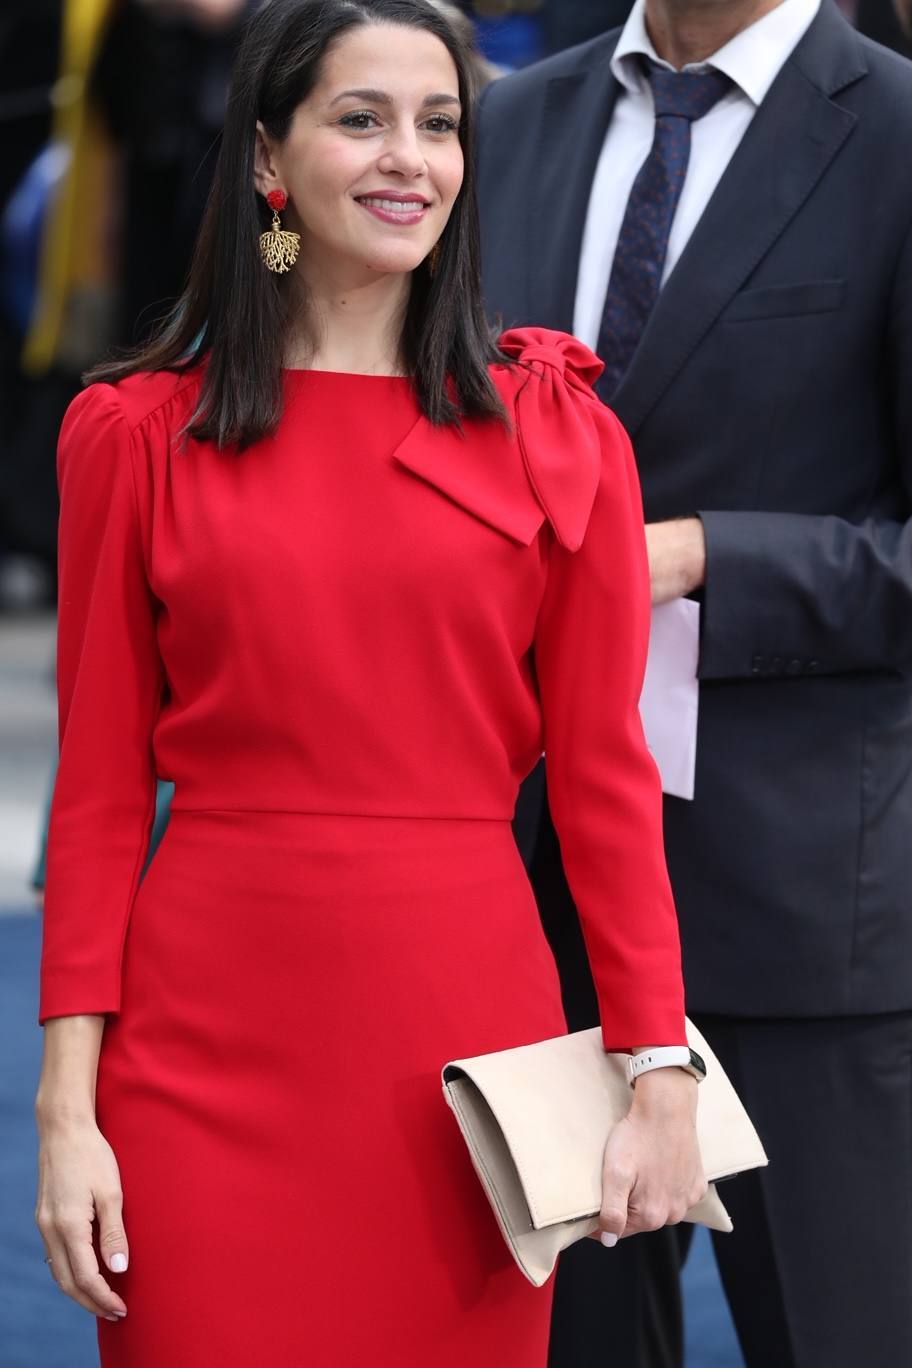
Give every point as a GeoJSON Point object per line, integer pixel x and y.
{"type": "Point", "coordinates": [233, 314]}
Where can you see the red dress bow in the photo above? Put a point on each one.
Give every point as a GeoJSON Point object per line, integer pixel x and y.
{"type": "Point", "coordinates": [558, 426]}
{"type": "Point", "coordinates": [548, 466]}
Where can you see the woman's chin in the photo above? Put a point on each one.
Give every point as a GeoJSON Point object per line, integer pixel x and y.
{"type": "Point", "coordinates": [399, 260]}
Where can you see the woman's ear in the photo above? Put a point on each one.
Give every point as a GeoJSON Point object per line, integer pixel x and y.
{"type": "Point", "coordinates": [265, 171]}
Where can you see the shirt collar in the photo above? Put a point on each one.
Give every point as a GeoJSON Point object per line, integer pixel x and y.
{"type": "Point", "coordinates": [752, 59]}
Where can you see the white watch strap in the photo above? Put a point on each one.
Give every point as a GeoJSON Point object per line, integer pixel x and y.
{"type": "Point", "coordinates": [661, 1057]}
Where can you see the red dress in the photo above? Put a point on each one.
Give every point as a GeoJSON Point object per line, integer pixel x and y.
{"type": "Point", "coordinates": [346, 646]}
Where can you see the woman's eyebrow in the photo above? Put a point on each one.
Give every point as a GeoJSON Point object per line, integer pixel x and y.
{"type": "Point", "coordinates": [381, 97]}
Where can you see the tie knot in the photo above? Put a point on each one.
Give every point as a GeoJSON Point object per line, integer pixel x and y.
{"type": "Point", "coordinates": [685, 94]}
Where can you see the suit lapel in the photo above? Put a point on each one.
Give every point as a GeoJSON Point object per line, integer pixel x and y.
{"type": "Point", "coordinates": [574, 119]}
{"type": "Point", "coordinates": [791, 141]}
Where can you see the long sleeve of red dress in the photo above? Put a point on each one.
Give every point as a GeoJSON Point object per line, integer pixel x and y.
{"type": "Point", "coordinates": [109, 682]}
{"type": "Point", "coordinates": [590, 654]}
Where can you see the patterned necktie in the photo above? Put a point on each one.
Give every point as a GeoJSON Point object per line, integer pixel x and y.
{"type": "Point", "coordinates": [680, 98]}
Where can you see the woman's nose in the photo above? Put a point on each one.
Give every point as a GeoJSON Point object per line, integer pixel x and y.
{"type": "Point", "coordinates": [403, 155]}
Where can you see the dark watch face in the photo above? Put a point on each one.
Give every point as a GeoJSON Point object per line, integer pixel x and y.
{"type": "Point", "coordinates": [697, 1063]}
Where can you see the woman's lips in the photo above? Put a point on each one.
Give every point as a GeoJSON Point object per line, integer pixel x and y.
{"type": "Point", "coordinates": [393, 209]}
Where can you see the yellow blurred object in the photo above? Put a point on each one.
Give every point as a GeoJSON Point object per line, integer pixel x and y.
{"type": "Point", "coordinates": [73, 257]}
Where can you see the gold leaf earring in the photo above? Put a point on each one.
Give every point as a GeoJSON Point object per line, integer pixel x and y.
{"type": "Point", "coordinates": [278, 248]}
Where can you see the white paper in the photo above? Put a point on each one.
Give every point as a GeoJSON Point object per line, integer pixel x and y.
{"type": "Point", "coordinates": [671, 693]}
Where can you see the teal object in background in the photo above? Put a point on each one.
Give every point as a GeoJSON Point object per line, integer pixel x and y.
{"type": "Point", "coordinates": [164, 794]}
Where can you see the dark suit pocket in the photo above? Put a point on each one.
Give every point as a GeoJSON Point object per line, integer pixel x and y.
{"type": "Point", "coordinates": [786, 301]}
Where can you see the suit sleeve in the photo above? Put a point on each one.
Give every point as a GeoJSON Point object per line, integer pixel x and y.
{"type": "Point", "coordinates": [109, 685]}
{"type": "Point", "coordinates": [795, 593]}
{"type": "Point", "coordinates": [603, 787]}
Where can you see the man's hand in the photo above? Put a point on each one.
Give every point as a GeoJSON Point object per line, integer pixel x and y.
{"type": "Point", "coordinates": [677, 557]}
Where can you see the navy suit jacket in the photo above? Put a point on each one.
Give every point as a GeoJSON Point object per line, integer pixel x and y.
{"type": "Point", "coordinates": [771, 394]}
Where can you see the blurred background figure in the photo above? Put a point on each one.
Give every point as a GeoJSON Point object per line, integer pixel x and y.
{"type": "Point", "coordinates": [514, 33]}
{"type": "Point", "coordinates": [161, 83]}
{"type": "Point", "coordinates": [882, 20]}
{"type": "Point", "coordinates": [30, 46]}
{"type": "Point", "coordinates": [485, 70]}
{"type": "Point", "coordinates": [124, 104]}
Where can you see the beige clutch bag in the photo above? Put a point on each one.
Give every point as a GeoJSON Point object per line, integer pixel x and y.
{"type": "Point", "coordinates": [536, 1119]}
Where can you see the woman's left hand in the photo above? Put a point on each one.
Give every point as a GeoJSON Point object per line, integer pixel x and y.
{"type": "Point", "coordinates": [653, 1173]}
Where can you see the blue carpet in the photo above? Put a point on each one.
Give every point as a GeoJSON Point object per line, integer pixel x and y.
{"type": "Point", "coordinates": [39, 1327]}
{"type": "Point", "coordinates": [710, 1340]}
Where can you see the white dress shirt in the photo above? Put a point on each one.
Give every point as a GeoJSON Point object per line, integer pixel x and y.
{"type": "Point", "coordinates": [753, 60]}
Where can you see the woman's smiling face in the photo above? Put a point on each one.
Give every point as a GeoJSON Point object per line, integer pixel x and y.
{"type": "Point", "coordinates": [372, 163]}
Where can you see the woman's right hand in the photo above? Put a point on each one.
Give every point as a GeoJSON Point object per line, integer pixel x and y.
{"type": "Point", "coordinates": [78, 1183]}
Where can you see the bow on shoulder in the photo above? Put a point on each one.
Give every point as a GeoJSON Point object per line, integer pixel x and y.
{"type": "Point", "coordinates": [557, 426]}
{"type": "Point", "coordinates": [542, 347]}
{"type": "Point", "coordinates": [548, 466]}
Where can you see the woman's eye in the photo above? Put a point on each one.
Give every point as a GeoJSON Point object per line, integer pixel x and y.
{"type": "Point", "coordinates": [360, 120]}
{"type": "Point", "coordinates": [441, 123]}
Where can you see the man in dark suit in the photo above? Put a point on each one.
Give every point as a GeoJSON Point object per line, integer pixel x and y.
{"type": "Point", "coordinates": [740, 251]}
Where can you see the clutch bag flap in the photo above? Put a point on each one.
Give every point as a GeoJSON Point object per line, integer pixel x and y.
{"type": "Point", "coordinates": [536, 1118]}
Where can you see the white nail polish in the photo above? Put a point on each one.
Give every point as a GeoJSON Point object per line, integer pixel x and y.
{"type": "Point", "coordinates": [608, 1240]}
{"type": "Point", "coordinates": [118, 1263]}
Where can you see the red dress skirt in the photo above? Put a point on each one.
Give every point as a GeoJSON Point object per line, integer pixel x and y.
{"type": "Point", "coordinates": [297, 1193]}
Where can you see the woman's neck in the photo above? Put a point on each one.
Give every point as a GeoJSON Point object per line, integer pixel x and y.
{"type": "Point", "coordinates": [351, 325]}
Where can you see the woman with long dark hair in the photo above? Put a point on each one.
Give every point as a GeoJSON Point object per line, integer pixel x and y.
{"type": "Point", "coordinates": [339, 565]}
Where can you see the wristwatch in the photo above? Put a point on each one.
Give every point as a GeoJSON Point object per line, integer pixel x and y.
{"type": "Point", "coordinates": [663, 1057]}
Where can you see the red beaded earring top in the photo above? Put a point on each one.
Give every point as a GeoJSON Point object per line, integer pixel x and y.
{"type": "Point", "coordinates": [277, 199]}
